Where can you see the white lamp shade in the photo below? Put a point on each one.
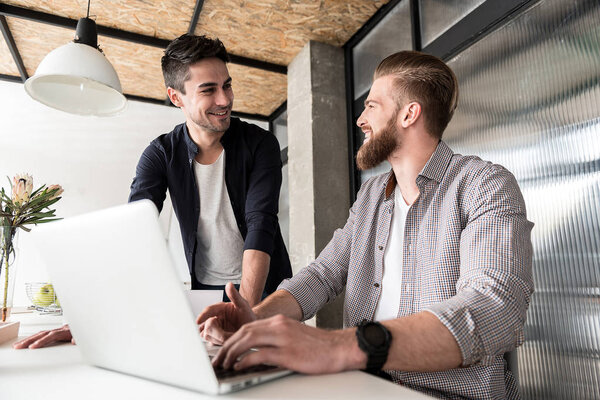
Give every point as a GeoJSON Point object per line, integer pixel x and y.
{"type": "Point", "coordinates": [78, 79]}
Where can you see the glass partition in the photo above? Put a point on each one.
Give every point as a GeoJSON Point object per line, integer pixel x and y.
{"type": "Point", "coordinates": [530, 95]}
{"type": "Point", "coordinates": [437, 16]}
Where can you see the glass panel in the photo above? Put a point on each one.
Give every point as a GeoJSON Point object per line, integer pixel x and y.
{"type": "Point", "coordinates": [280, 130]}
{"type": "Point", "coordinates": [392, 34]}
{"type": "Point", "coordinates": [437, 16]}
{"type": "Point", "coordinates": [530, 95]}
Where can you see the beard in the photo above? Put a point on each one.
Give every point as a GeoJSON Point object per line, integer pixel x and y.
{"type": "Point", "coordinates": [379, 146]}
{"type": "Point", "coordinates": [217, 126]}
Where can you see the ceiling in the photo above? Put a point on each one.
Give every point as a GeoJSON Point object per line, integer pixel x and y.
{"type": "Point", "coordinates": [262, 35]}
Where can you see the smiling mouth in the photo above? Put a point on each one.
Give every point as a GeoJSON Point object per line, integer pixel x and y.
{"type": "Point", "coordinates": [367, 136]}
{"type": "Point", "coordinates": [220, 113]}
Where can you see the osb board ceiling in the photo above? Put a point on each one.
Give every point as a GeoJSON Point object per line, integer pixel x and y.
{"type": "Point", "coordinates": [7, 65]}
{"type": "Point", "coordinates": [165, 19]}
{"type": "Point", "coordinates": [257, 91]}
{"type": "Point", "coordinates": [276, 30]}
{"type": "Point", "coordinates": [138, 67]}
{"type": "Point", "coordinates": [35, 40]}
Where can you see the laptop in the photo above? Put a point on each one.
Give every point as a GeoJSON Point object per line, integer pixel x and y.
{"type": "Point", "coordinates": [126, 306]}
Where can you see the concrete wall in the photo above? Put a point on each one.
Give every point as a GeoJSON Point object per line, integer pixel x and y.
{"type": "Point", "coordinates": [318, 157]}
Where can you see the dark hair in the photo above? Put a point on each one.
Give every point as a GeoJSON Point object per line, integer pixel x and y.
{"type": "Point", "coordinates": [185, 51]}
{"type": "Point", "coordinates": [427, 80]}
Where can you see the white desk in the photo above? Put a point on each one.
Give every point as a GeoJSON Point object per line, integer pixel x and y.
{"type": "Point", "coordinates": [58, 372]}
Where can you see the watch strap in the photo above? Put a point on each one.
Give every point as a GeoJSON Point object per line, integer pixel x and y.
{"type": "Point", "coordinates": [376, 353]}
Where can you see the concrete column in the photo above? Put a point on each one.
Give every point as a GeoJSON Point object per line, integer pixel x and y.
{"type": "Point", "coordinates": [317, 157]}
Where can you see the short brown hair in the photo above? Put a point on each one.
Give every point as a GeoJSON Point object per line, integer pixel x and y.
{"type": "Point", "coordinates": [185, 51]}
{"type": "Point", "coordinates": [427, 80]}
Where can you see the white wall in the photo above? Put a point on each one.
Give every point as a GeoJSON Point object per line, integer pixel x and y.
{"type": "Point", "coordinates": [93, 158]}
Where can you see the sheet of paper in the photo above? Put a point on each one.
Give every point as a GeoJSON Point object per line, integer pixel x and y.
{"type": "Point", "coordinates": [200, 299]}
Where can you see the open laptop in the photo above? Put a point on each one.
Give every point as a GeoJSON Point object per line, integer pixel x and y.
{"type": "Point", "coordinates": [125, 304]}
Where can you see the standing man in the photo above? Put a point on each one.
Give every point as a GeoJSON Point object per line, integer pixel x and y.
{"type": "Point", "coordinates": [223, 176]}
{"type": "Point", "coordinates": [435, 258]}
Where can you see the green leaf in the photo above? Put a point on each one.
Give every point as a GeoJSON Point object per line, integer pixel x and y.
{"type": "Point", "coordinates": [47, 220]}
{"type": "Point", "coordinates": [42, 214]}
{"type": "Point", "coordinates": [36, 191]}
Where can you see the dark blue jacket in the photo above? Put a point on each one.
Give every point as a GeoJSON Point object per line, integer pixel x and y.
{"type": "Point", "coordinates": [253, 179]}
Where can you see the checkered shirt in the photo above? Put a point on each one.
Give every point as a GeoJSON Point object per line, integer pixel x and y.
{"type": "Point", "coordinates": [467, 259]}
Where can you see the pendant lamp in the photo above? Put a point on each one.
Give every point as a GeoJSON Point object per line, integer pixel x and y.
{"type": "Point", "coordinates": [77, 77]}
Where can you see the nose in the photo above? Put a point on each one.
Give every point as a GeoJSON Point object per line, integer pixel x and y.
{"type": "Point", "coordinates": [361, 120]}
{"type": "Point", "coordinates": [223, 98]}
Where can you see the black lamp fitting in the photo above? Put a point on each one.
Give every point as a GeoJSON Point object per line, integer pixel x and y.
{"type": "Point", "coordinates": [86, 32]}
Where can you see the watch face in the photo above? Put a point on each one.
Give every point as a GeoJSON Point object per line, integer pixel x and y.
{"type": "Point", "coordinates": [374, 335]}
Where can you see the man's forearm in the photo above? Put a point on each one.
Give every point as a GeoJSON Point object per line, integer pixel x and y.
{"type": "Point", "coordinates": [420, 342]}
{"type": "Point", "coordinates": [279, 302]}
{"type": "Point", "coordinates": [255, 268]}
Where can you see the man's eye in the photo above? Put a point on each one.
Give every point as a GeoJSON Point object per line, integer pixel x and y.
{"type": "Point", "coordinates": [227, 86]}
{"type": "Point", "coordinates": [208, 91]}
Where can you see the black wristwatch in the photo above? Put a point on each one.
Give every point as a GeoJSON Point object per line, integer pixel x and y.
{"type": "Point", "coordinates": [374, 339]}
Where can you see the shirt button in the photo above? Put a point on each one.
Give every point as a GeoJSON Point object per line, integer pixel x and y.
{"type": "Point", "coordinates": [376, 284]}
{"type": "Point", "coordinates": [380, 247]}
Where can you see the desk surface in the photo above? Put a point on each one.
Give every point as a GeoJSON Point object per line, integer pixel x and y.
{"type": "Point", "coordinates": [58, 372]}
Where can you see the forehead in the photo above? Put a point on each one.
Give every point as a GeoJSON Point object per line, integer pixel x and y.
{"type": "Point", "coordinates": [381, 90]}
{"type": "Point", "coordinates": [208, 70]}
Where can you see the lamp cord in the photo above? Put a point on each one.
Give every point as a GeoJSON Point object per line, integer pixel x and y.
{"type": "Point", "coordinates": [88, 10]}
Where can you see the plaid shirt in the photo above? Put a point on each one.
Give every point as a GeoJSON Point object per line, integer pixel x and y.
{"type": "Point", "coordinates": [467, 259]}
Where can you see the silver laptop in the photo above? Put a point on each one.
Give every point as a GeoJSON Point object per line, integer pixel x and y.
{"type": "Point", "coordinates": [126, 306]}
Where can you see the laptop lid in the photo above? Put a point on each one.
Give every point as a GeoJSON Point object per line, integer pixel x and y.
{"type": "Point", "coordinates": [124, 302]}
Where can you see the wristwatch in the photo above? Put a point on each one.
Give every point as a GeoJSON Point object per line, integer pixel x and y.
{"type": "Point", "coordinates": [374, 339]}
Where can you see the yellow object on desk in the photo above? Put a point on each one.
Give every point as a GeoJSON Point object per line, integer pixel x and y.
{"type": "Point", "coordinates": [8, 331]}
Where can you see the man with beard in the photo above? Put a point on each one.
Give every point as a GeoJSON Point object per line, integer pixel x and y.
{"type": "Point", "coordinates": [223, 176]}
{"type": "Point", "coordinates": [435, 258]}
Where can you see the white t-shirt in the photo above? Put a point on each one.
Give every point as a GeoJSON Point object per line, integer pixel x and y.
{"type": "Point", "coordinates": [220, 244]}
{"type": "Point", "coordinates": [389, 300]}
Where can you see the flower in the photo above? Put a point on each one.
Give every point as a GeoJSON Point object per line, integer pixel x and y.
{"type": "Point", "coordinates": [58, 188]}
{"type": "Point", "coordinates": [23, 207]}
{"type": "Point", "coordinates": [22, 188]}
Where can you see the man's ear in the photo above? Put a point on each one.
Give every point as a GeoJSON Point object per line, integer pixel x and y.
{"type": "Point", "coordinates": [174, 97]}
{"type": "Point", "coordinates": [410, 114]}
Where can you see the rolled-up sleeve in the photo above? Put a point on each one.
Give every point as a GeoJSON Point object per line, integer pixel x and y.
{"type": "Point", "coordinates": [262, 198]}
{"type": "Point", "coordinates": [325, 278]}
{"type": "Point", "coordinates": [150, 180]}
{"type": "Point", "coordinates": [487, 314]}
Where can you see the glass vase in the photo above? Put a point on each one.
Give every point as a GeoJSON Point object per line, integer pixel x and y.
{"type": "Point", "coordinates": [8, 273]}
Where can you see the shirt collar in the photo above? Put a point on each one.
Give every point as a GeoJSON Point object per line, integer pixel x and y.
{"type": "Point", "coordinates": [434, 169]}
{"type": "Point", "coordinates": [438, 162]}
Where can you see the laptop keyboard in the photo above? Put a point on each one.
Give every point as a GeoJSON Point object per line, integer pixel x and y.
{"type": "Point", "coordinates": [223, 373]}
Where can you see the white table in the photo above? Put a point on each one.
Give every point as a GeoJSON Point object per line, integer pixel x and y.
{"type": "Point", "coordinates": [58, 372]}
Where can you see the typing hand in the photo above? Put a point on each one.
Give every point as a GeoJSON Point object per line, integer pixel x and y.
{"type": "Point", "coordinates": [290, 344]}
{"type": "Point", "coordinates": [221, 320]}
{"type": "Point", "coordinates": [45, 338]}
